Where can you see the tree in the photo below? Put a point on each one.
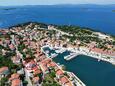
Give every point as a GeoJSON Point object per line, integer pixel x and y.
{"type": "Point", "coordinates": [3, 82]}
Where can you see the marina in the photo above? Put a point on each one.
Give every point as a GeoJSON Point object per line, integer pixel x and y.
{"type": "Point", "coordinates": [70, 55]}
{"type": "Point", "coordinates": [86, 67]}
{"type": "Point", "coordinates": [89, 70]}
{"type": "Point", "coordinates": [75, 52]}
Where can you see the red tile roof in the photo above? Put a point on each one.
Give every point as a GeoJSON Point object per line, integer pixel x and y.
{"type": "Point", "coordinates": [106, 52]}
{"type": "Point", "coordinates": [59, 72]}
{"type": "Point", "coordinates": [63, 80]}
{"type": "Point", "coordinates": [52, 64]}
{"type": "Point", "coordinates": [35, 79]}
{"type": "Point", "coordinates": [68, 84]}
{"type": "Point", "coordinates": [37, 71]}
{"type": "Point", "coordinates": [11, 46]}
{"type": "Point", "coordinates": [16, 82]}
{"type": "Point", "coordinates": [15, 76]}
{"type": "Point", "coordinates": [3, 69]}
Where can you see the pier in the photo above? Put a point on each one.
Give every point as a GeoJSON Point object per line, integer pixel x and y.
{"type": "Point", "coordinates": [60, 50]}
{"type": "Point", "coordinates": [71, 56]}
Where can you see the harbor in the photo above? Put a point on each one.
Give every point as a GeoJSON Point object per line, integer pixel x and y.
{"type": "Point", "coordinates": [98, 56]}
{"type": "Point", "coordinates": [50, 51]}
{"type": "Point", "coordinates": [79, 51]}
{"type": "Point", "coordinates": [86, 67]}
{"type": "Point", "coordinates": [89, 70]}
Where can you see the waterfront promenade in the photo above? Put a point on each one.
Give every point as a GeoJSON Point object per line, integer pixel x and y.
{"type": "Point", "coordinates": [84, 51]}
{"type": "Point", "coordinates": [92, 54]}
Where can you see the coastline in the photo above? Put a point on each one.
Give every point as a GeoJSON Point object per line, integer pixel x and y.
{"type": "Point", "coordinates": [87, 53]}
{"type": "Point", "coordinates": [55, 25]}
{"type": "Point", "coordinates": [94, 55]}
{"type": "Point", "coordinates": [54, 42]}
{"type": "Point", "coordinates": [53, 28]}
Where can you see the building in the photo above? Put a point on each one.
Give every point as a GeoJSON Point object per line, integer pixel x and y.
{"type": "Point", "coordinates": [15, 80]}
{"type": "Point", "coordinates": [4, 71]}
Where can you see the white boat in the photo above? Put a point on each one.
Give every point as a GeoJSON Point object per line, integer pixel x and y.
{"type": "Point", "coordinates": [53, 55]}
{"type": "Point", "coordinates": [99, 60]}
{"type": "Point", "coordinates": [47, 52]}
{"type": "Point", "coordinates": [57, 51]}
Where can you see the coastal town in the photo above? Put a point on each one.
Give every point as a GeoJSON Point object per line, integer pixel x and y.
{"type": "Point", "coordinates": [24, 62]}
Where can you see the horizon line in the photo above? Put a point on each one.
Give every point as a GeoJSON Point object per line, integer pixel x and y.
{"type": "Point", "coordinates": [56, 4]}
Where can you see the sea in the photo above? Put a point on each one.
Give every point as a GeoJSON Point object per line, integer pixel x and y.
{"type": "Point", "coordinates": [89, 70]}
{"type": "Point", "coordinates": [97, 17]}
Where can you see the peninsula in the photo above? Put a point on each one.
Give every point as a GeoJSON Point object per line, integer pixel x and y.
{"type": "Point", "coordinates": [25, 63]}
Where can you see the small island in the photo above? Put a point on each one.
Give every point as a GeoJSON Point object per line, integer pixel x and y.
{"type": "Point", "coordinates": [24, 59]}
{"type": "Point", "coordinates": [113, 10]}
{"type": "Point", "coordinates": [7, 9]}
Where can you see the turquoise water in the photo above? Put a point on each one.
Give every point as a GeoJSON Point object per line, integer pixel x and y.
{"type": "Point", "coordinates": [88, 69]}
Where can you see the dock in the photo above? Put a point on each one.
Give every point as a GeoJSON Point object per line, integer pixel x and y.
{"type": "Point", "coordinates": [71, 56]}
{"type": "Point", "coordinates": [60, 51]}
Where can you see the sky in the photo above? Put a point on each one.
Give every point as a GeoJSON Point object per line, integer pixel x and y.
{"type": "Point", "coordinates": [52, 2]}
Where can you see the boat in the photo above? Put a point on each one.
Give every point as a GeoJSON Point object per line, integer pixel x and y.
{"type": "Point", "coordinates": [99, 60]}
{"type": "Point", "coordinates": [47, 51]}
{"type": "Point", "coordinates": [53, 55]}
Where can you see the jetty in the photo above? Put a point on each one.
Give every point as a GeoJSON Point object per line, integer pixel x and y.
{"type": "Point", "coordinates": [71, 56]}
{"type": "Point", "coordinates": [60, 50]}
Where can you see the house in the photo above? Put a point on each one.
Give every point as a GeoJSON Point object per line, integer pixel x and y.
{"type": "Point", "coordinates": [15, 80]}
{"type": "Point", "coordinates": [59, 73]}
{"type": "Point", "coordinates": [52, 64]}
{"type": "Point", "coordinates": [36, 80]}
{"type": "Point", "coordinates": [31, 65]}
{"type": "Point", "coordinates": [32, 69]}
{"type": "Point", "coordinates": [38, 71]}
{"type": "Point", "coordinates": [16, 59]}
{"type": "Point", "coordinates": [68, 84]}
{"type": "Point", "coordinates": [44, 68]}
{"type": "Point", "coordinates": [63, 80]}
{"type": "Point", "coordinates": [12, 47]}
{"type": "Point", "coordinates": [14, 76]}
{"type": "Point", "coordinates": [4, 71]}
